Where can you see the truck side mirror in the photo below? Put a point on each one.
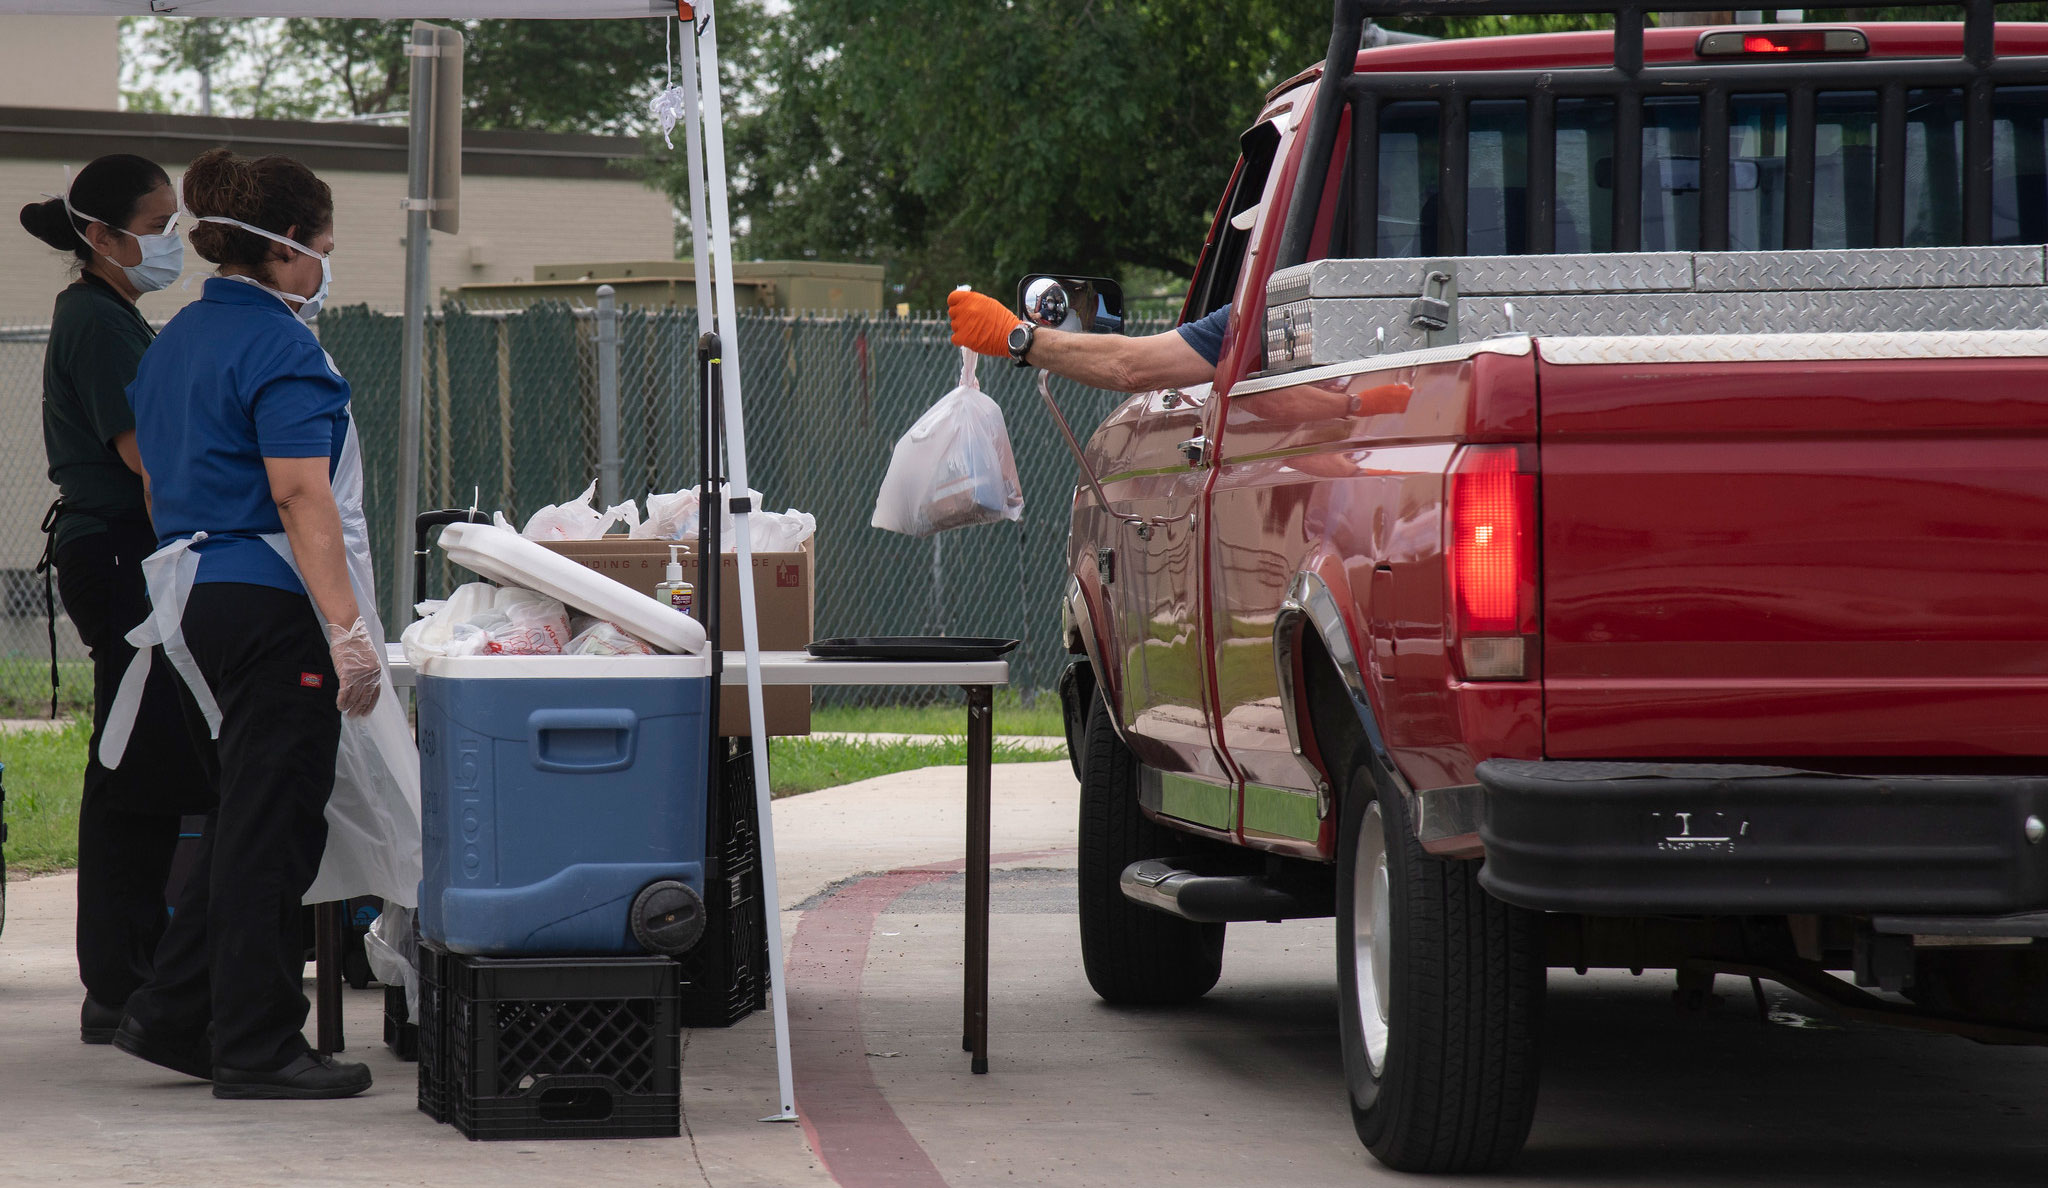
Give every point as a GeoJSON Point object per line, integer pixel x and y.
{"type": "Point", "coordinates": [1081, 304]}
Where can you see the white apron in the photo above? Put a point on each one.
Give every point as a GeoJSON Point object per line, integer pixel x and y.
{"type": "Point", "coordinates": [373, 817]}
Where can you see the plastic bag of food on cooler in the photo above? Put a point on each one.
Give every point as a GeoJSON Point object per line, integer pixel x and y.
{"type": "Point", "coordinates": [482, 619]}
{"type": "Point", "coordinates": [578, 519]}
{"type": "Point", "coordinates": [440, 630]}
{"type": "Point", "coordinates": [534, 624]}
{"type": "Point", "coordinates": [954, 466]}
{"type": "Point", "coordinates": [605, 638]}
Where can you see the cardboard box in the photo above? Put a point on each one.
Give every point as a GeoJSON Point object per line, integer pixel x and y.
{"type": "Point", "coordinates": [784, 595]}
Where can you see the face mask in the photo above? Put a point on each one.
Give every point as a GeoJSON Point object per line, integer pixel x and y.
{"type": "Point", "coordinates": [163, 254]}
{"type": "Point", "coordinates": [308, 308]}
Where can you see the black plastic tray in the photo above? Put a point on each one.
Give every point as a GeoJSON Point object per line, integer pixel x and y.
{"type": "Point", "coordinates": [912, 647]}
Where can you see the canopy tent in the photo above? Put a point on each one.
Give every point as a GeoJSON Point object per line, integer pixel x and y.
{"type": "Point", "coordinates": [710, 227]}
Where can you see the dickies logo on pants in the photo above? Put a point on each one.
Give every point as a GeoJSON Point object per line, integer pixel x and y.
{"type": "Point", "coordinates": [311, 680]}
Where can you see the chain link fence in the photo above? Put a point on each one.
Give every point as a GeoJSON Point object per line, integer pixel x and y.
{"type": "Point", "coordinates": [510, 420]}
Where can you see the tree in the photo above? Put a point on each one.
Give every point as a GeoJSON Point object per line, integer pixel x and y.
{"type": "Point", "coordinates": [545, 76]}
{"type": "Point", "coordinates": [964, 140]}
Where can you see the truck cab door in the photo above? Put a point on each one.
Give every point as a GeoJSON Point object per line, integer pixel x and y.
{"type": "Point", "coordinates": [1170, 686]}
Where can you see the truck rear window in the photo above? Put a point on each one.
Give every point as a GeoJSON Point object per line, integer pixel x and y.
{"type": "Point", "coordinates": [1844, 172]}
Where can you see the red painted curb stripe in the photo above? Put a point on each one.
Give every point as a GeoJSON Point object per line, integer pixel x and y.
{"type": "Point", "coordinates": [849, 1122]}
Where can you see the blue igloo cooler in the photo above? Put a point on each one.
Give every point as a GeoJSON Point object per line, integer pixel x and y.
{"type": "Point", "coordinates": [562, 803]}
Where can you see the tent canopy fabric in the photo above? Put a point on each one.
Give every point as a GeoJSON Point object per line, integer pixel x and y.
{"type": "Point", "coordinates": [581, 10]}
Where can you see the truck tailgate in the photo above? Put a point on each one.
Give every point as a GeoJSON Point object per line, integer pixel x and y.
{"type": "Point", "coordinates": [1840, 551]}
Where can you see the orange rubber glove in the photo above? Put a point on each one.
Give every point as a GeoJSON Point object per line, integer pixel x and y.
{"type": "Point", "coordinates": [981, 323]}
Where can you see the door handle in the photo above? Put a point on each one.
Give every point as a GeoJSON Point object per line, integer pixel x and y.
{"type": "Point", "coordinates": [1194, 448]}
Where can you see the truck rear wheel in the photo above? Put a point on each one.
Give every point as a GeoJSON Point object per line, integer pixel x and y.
{"type": "Point", "coordinates": [1134, 956]}
{"type": "Point", "coordinates": [1441, 988]}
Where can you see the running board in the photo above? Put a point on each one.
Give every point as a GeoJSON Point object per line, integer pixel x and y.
{"type": "Point", "coordinates": [1163, 885]}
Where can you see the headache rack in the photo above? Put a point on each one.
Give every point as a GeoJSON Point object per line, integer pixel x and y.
{"type": "Point", "coordinates": [1628, 81]}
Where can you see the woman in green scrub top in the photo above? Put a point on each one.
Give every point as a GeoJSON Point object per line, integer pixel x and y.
{"type": "Point", "coordinates": [118, 225]}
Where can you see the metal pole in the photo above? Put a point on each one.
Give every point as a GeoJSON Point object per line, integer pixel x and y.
{"type": "Point", "coordinates": [720, 231]}
{"type": "Point", "coordinates": [412, 374]}
{"type": "Point", "coordinates": [607, 396]}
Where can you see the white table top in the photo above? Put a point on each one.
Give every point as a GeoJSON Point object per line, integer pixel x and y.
{"type": "Point", "coordinates": [802, 668]}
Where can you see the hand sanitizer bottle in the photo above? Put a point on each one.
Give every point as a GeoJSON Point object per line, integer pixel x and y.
{"type": "Point", "coordinates": [673, 589]}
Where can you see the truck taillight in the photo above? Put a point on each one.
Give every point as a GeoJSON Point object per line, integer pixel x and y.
{"type": "Point", "coordinates": [1491, 554]}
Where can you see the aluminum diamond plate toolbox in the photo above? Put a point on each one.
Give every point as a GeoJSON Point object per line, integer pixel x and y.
{"type": "Point", "coordinates": [1634, 272]}
{"type": "Point", "coordinates": [1870, 268]}
{"type": "Point", "coordinates": [1351, 309]}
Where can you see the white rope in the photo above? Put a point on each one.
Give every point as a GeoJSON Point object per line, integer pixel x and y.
{"type": "Point", "coordinates": [667, 107]}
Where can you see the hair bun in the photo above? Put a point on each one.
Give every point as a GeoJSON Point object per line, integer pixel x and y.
{"type": "Point", "coordinates": [51, 223]}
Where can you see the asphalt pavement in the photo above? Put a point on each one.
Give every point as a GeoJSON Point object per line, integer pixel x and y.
{"type": "Point", "coordinates": [1243, 1088]}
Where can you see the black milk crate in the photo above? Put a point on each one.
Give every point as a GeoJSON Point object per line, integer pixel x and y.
{"type": "Point", "coordinates": [563, 1047]}
{"type": "Point", "coordinates": [725, 978]}
{"type": "Point", "coordinates": [401, 1034]}
{"type": "Point", "coordinates": [433, 1031]}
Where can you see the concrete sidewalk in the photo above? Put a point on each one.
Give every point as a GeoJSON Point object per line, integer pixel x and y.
{"type": "Point", "coordinates": [1241, 1089]}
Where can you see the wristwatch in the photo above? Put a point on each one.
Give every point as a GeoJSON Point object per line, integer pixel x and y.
{"type": "Point", "coordinates": [1020, 342]}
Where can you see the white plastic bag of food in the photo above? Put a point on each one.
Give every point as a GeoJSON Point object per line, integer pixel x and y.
{"type": "Point", "coordinates": [606, 638]}
{"type": "Point", "coordinates": [579, 519]}
{"type": "Point", "coordinates": [953, 468]}
{"type": "Point", "coordinates": [669, 517]}
{"type": "Point", "coordinates": [445, 629]}
{"type": "Point", "coordinates": [779, 532]}
{"type": "Point", "coordinates": [534, 624]}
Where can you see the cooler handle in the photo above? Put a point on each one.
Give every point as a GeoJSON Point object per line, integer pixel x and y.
{"type": "Point", "coordinates": [582, 741]}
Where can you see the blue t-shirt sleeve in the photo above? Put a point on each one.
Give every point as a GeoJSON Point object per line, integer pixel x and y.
{"type": "Point", "coordinates": [1205, 334]}
{"type": "Point", "coordinates": [299, 410]}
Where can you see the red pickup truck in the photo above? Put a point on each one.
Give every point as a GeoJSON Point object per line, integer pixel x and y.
{"type": "Point", "coordinates": [1616, 536]}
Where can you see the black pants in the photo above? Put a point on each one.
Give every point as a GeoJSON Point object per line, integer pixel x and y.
{"type": "Point", "coordinates": [233, 954]}
{"type": "Point", "coordinates": [128, 821]}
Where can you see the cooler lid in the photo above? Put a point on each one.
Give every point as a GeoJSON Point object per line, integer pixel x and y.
{"type": "Point", "coordinates": [510, 559]}
{"type": "Point", "coordinates": [470, 668]}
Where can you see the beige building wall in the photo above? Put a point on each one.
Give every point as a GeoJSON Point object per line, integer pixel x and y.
{"type": "Point", "coordinates": [53, 61]}
{"type": "Point", "coordinates": [509, 224]}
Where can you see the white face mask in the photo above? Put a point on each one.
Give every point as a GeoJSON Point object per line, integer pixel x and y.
{"type": "Point", "coordinates": [163, 254]}
{"type": "Point", "coordinates": [308, 308]}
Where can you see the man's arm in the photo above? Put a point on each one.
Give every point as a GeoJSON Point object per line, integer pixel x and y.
{"type": "Point", "coordinates": [983, 324]}
{"type": "Point", "coordinates": [1120, 364]}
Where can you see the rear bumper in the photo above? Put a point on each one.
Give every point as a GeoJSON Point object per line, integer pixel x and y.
{"type": "Point", "coordinates": [1719, 839]}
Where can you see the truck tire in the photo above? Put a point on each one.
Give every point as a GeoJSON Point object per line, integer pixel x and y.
{"type": "Point", "coordinates": [1440, 993]}
{"type": "Point", "coordinates": [1134, 956]}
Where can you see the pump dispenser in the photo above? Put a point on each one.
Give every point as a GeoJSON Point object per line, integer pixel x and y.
{"type": "Point", "coordinates": [673, 589]}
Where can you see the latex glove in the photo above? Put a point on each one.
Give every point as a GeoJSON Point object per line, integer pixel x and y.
{"type": "Point", "coordinates": [355, 663]}
{"type": "Point", "coordinates": [981, 323]}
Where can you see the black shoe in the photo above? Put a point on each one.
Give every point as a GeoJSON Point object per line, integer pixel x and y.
{"type": "Point", "coordinates": [313, 1075]}
{"type": "Point", "coordinates": [97, 1021]}
{"type": "Point", "coordinates": [188, 1054]}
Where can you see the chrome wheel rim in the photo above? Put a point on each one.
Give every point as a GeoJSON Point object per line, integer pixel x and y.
{"type": "Point", "coordinates": [1371, 937]}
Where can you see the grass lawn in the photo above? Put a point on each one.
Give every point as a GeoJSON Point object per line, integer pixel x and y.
{"type": "Point", "coordinates": [25, 687]}
{"type": "Point", "coordinates": [1042, 718]}
{"type": "Point", "coordinates": [43, 768]}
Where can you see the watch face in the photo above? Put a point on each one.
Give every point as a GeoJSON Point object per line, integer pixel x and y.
{"type": "Point", "coordinates": [1020, 339]}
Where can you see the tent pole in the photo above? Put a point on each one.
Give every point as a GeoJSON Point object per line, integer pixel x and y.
{"type": "Point", "coordinates": [412, 373]}
{"type": "Point", "coordinates": [720, 231]}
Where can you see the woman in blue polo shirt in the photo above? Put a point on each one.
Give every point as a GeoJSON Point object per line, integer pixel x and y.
{"type": "Point", "coordinates": [250, 460]}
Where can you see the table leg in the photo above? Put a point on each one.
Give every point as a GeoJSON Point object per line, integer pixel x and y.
{"type": "Point", "coordinates": [980, 777]}
{"type": "Point", "coordinates": [327, 938]}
